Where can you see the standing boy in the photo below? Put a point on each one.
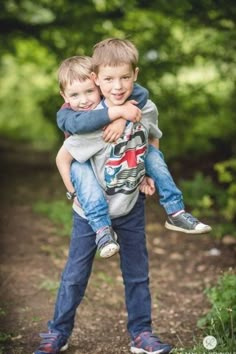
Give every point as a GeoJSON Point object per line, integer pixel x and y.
{"type": "Point", "coordinates": [115, 72]}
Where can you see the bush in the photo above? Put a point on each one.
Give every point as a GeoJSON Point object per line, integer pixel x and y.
{"type": "Point", "coordinates": [221, 319]}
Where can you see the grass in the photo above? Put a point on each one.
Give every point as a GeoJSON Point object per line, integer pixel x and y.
{"type": "Point", "coordinates": [59, 212]}
{"type": "Point", "coordinates": [220, 321]}
{"type": "Point", "coordinates": [49, 285]}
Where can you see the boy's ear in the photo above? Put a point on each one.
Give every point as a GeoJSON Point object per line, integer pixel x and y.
{"type": "Point", "coordinates": [64, 97]}
{"type": "Point", "coordinates": [94, 78]}
{"type": "Point", "coordinates": [136, 71]}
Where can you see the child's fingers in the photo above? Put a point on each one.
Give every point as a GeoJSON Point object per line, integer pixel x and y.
{"type": "Point", "coordinates": [133, 102]}
{"type": "Point", "coordinates": [110, 137]}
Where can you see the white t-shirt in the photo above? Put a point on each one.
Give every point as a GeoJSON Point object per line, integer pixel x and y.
{"type": "Point", "coordinates": [119, 167]}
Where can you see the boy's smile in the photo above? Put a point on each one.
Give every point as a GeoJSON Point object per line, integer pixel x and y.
{"type": "Point", "coordinates": [82, 95]}
{"type": "Point", "coordinates": [116, 83]}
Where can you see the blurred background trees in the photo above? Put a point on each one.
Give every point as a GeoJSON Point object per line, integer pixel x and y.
{"type": "Point", "coordinates": [187, 61]}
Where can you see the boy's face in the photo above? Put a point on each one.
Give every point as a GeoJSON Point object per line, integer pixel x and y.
{"type": "Point", "coordinates": [116, 83]}
{"type": "Point", "coordinates": [82, 95]}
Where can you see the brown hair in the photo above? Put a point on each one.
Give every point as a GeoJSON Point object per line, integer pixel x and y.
{"type": "Point", "coordinates": [114, 52]}
{"type": "Point", "coordinates": [74, 68]}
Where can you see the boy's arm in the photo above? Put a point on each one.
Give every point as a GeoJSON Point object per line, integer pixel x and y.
{"type": "Point", "coordinates": [150, 121]}
{"type": "Point", "coordinates": [85, 122]}
{"type": "Point", "coordinates": [81, 122]}
{"type": "Point", "coordinates": [63, 161]}
{"type": "Point", "coordinates": [114, 130]}
{"type": "Point", "coordinates": [83, 147]}
{"type": "Point", "coordinates": [140, 94]}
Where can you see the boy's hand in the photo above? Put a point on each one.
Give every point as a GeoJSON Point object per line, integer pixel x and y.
{"type": "Point", "coordinates": [128, 111]}
{"type": "Point", "coordinates": [131, 112]}
{"type": "Point", "coordinates": [114, 130]}
{"type": "Point", "coordinates": [77, 202]}
{"type": "Point", "coordinates": [147, 186]}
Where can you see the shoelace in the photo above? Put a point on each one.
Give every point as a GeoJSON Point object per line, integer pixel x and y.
{"type": "Point", "coordinates": [105, 238]}
{"type": "Point", "coordinates": [190, 218]}
{"type": "Point", "coordinates": [48, 339]}
{"type": "Point", "coordinates": [152, 338]}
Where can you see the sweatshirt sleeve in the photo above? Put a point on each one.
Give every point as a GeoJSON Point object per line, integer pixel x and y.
{"type": "Point", "coordinates": [83, 147]}
{"type": "Point", "coordinates": [150, 120]}
{"type": "Point", "coordinates": [139, 94]}
{"type": "Point", "coordinates": [82, 122]}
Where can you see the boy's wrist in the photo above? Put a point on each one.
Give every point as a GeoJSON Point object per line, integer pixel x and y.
{"type": "Point", "coordinates": [70, 195]}
{"type": "Point", "coordinates": [122, 111]}
{"type": "Point", "coordinates": [114, 112]}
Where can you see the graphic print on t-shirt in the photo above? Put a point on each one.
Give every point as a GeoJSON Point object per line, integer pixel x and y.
{"type": "Point", "coordinates": [124, 170]}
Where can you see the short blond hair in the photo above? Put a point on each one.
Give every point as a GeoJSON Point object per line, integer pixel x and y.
{"type": "Point", "coordinates": [114, 52]}
{"type": "Point", "coordinates": [74, 68]}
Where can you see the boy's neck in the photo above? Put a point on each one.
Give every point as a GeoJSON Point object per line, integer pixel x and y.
{"type": "Point", "coordinates": [107, 103]}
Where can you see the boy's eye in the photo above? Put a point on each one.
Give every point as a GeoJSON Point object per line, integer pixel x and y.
{"type": "Point", "coordinates": [108, 79]}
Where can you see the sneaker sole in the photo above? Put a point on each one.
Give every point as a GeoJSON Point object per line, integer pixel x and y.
{"type": "Point", "coordinates": [65, 347]}
{"type": "Point", "coordinates": [180, 229]}
{"type": "Point", "coordinates": [109, 250]}
{"type": "Point", "coordinates": [140, 351]}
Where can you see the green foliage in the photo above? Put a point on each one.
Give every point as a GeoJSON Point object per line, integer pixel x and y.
{"type": "Point", "coordinates": [57, 211]}
{"type": "Point", "coordinates": [221, 319]}
{"type": "Point", "coordinates": [26, 80]}
{"type": "Point", "coordinates": [187, 60]}
{"type": "Point", "coordinates": [199, 194]}
{"type": "Point", "coordinates": [208, 198]}
{"type": "Point", "coordinates": [227, 176]}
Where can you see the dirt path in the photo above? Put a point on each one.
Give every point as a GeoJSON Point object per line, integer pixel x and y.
{"type": "Point", "coordinates": [32, 257]}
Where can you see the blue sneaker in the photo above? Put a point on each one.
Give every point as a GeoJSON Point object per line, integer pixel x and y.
{"type": "Point", "coordinates": [106, 242]}
{"type": "Point", "coordinates": [149, 343]}
{"type": "Point", "coordinates": [52, 343]}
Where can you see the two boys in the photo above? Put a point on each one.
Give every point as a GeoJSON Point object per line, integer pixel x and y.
{"type": "Point", "coordinates": [81, 95]}
{"type": "Point", "coordinates": [119, 169]}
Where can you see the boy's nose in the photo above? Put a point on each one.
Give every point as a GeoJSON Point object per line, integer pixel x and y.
{"type": "Point", "coordinates": [83, 99]}
{"type": "Point", "coordinates": [117, 84]}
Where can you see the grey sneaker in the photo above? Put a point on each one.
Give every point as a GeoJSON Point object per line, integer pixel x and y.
{"type": "Point", "coordinates": [187, 223]}
{"type": "Point", "coordinates": [106, 242]}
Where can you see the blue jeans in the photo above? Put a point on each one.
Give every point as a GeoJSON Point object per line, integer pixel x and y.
{"type": "Point", "coordinates": [130, 230]}
{"type": "Point", "coordinates": [90, 195]}
{"type": "Point", "coordinates": [171, 197]}
{"type": "Point", "coordinates": [93, 201]}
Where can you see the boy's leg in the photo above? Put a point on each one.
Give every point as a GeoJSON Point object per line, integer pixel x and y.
{"type": "Point", "coordinates": [95, 207]}
{"type": "Point", "coordinates": [134, 266]}
{"type": "Point", "coordinates": [72, 287]}
{"type": "Point", "coordinates": [171, 197]}
{"type": "Point", "coordinates": [90, 195]}
{"type": "Point", "coordinates": [135, 271]}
